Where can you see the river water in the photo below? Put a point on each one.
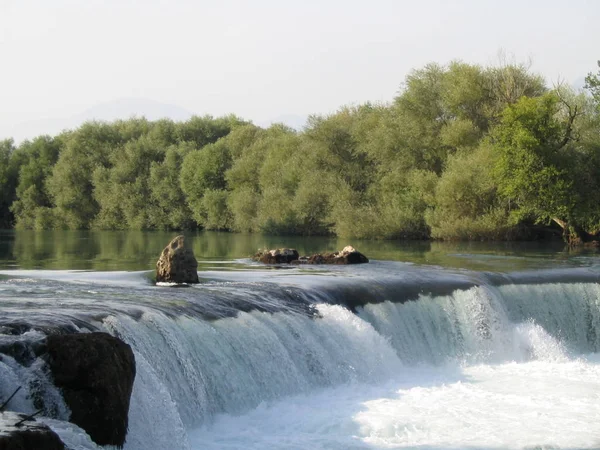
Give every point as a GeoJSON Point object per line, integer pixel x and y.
{"type": "Point", "coordinates": [429, 346]}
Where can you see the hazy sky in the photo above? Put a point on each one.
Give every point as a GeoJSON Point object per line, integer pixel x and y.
{"type": "Point", "coordinates": [262, 59]}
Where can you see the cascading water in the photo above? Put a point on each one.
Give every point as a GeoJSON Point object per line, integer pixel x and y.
{"type": "Point", "coordinates": [309, 363]}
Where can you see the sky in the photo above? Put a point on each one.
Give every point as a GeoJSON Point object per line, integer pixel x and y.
{"type": "Point", "coordinates": [64, 61]}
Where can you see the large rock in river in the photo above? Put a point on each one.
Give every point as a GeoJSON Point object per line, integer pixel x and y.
{"type": "Point", "coordinates": [278, 256]}
{"type": "Point", "coordinates": [95, 372]}
{"type": "Point", "coordinates": [348, 255]}
{"type": "Point", "coordinates": [177, 263]}
{"type": "Point", "coordinates": [16, 434]}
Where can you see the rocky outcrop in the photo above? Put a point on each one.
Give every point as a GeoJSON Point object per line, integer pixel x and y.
{"type": "Point", "coordinates": [177, 263]}
{"type": "Point", "coordinates": [348, 255]}
{"type": "Point", "coordinates": [95, 372]}
{"type": "Point", "coordinates": [16, 434]}
{"type": "Point", "coordinates": [278, 256]}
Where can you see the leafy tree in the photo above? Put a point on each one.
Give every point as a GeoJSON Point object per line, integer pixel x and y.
{"type": "Point", "coordinates": [243, 203]}
{"type": "Point", "coordinates": [462, 152]}
{"type": "Point", "coordinates": [216, 214]}
{"type": "Point", "coordinates": [539, 161]}
{"type": "Point", "coordinates": [206, 130]}
{"type": "Point", "coordinates": [37, 160]}
{"type": "Point", "coordinates": [204, 170]}
{"type": "Point", "coordinates": [169, 209]}
{"type": "Point", "coordinates": [122, 190]}
{"type": "Point", "coordinates": [71, 185]}
{"type": "Point", "coordinates": [243, 178]}
{"type": "Point", "coordinates": [9, 173]}
{"type": "Point", "coordinates": [592, 84]}
{"type": "Point", "coordinates": [466, 205]}
{"type": "Point", "coordinates": [506, 84]}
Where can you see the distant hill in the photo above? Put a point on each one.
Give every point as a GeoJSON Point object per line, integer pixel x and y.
{"type": "Point", "coordinates": [123, 108]}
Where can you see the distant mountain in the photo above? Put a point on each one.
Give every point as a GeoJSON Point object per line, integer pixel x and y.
{"type": "Point", "coordinates": [123, 108]}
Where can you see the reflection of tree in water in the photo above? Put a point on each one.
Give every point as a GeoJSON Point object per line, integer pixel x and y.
{"type": "Point", "coordinates": [54, 249]}
{"type": "Point", "coordinates": [139, 250]}
{"type": "Point", "coordinates": [129, 250]}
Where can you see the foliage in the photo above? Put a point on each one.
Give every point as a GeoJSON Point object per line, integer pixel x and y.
{"type": "Point", "coordinates": [592, 83]}
{"type": "Point", "coordinates": [37, 158]}
{"type": "Point", "coordinates": [545, 170]}
{"type": "Point", "coordinates": [9, 175]}
{"type": "Point", "coordinates": [462, 152]}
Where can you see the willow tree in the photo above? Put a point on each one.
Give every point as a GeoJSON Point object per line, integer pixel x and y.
{"type": "Point", "coordinates": [32, 207]}
{"type": "Point", "coordinates": [540, 162]}
{"type": "Point", "coordinates": [9, 175]}
{"type": "Point", "coordinates": [71, 184]}
{"type": "Point", "coordinates": [592, 84]}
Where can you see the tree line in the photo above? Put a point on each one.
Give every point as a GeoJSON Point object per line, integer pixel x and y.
{"type": "Point", "coordinates": [462, 152]}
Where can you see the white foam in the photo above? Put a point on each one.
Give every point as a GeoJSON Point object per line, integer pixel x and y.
{"type": "Point", "coordinates": [536, 404]}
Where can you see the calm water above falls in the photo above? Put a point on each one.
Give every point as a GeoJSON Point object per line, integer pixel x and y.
{"type": "Point", "coordinates": [429, 346]}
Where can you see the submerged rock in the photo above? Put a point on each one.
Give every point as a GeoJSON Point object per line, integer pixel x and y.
{"type": "Point", "coordinates": [348, 255]}
{"type": "Point", "coordinates": [177, 263]}
{"type": "Point", "coordinates": [26, 435]}
{"type": "Point", "coordinates": [95, 372]}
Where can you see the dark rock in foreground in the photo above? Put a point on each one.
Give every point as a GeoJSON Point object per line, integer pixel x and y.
{"type": "Point", "coordinates": [177, 263]}
{"type": "Point", "coordinates": [27, 436]}
{"type": "Point", "coordinates": [95, 372]}
{"type": "Point", "coordinates": [349, 255]}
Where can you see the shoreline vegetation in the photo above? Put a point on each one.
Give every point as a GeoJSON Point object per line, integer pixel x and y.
{"type": "Point", "coordinates": [463, 152]}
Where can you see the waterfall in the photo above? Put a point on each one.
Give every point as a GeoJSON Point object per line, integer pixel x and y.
{"type": "Point", "coordinates": [191, 369]}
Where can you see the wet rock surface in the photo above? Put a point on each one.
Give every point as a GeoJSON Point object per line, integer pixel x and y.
{"type": "Point", "coordinates": [277, 256]}
{"type": "Point", "coordinates": [95, 372]}
{"type": "Point", "coordinates": [27, 435]}
{"type": "Point", "coordinates": [177, 263]}
{"type": "Point", "coordinates": [348, 255]}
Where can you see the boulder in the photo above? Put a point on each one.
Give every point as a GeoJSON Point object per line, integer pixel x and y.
{"type": "Point", "coordinates": [95, 372]}
{"type": "Point", "coordinates": [18, 435]}
{"type": "Point", "coordinates": [177, 263]}
{"type": "Point", "coordinates": [342, 257]}
{"type": "Point", "coordinates": [278, 256]}
{"type": "Point", "coordinates": [348, 255]}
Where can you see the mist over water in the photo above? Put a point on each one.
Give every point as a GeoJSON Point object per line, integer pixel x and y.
{"type": "Point", "coordinates": [387, 355]}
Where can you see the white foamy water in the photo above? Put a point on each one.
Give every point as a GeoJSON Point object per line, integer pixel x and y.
{"type": "Point", "coordinates": [508, 366]}
{"type": "Point", "coordinates": [538, 404]}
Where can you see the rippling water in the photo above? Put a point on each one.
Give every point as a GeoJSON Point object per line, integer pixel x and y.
{"type": "Point", "coordinates": [480, 349]}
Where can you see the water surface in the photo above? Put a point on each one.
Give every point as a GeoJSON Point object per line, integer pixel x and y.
{"type": "Point", "coordinates": [138, 250]}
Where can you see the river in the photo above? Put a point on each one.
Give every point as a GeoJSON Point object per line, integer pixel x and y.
{"type": "Point", "coordinates": [429, 346]}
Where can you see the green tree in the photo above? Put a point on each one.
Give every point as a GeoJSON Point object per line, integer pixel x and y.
{"type": "Point", "coordinates": [206, 130]}
{"type": "Point", "coordinates": [539, 162]}
{"type": "Point", "coordinates": [71, 185]}
{"type": "Point", "coordinates": [169, 208]}
{"type": "Point", "coordinates": [243, 178]}
{"type": "Point", "coordinates": [466, 204]}
{"type": "Point", "coordinates": [203, 171]}
{"type": "Point", "coordinates": [8, 182]}
{"type": "Point", "coordinates": [122, 190]}
{"type": "Point", "coordinates": [37, 160]}
{"type": "Point", "coordinates": [592, 84]}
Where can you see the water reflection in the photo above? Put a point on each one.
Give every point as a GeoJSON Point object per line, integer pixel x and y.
{"type": "Point", "coordinates": [138, 250]}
